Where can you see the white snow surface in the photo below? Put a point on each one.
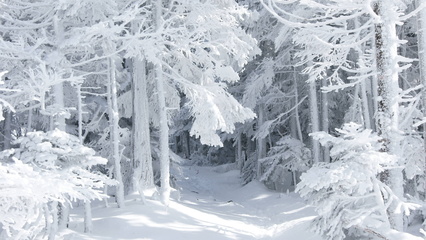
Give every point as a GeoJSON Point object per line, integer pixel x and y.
{"type": "Point", "coordinates": [211, 205]}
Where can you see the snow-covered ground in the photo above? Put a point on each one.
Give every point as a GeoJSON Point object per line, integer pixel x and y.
{"type": "Point", "coordinates": [212, 205]}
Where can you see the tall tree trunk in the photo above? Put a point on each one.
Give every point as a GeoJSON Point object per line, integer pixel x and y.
{"type": "Point", "coordinates": [114, 135]}
{"type": "Point", "coordinates": [164, 138]}
{"type": "Point", "coordinates": [324, 120]}
{"type": "Point", "coordinates": [296, 109]}
{"type": "Point", "coordinates": [88, 226]}
{"type": "Point", "coordinates": [421, 40]}
{"type": "Point", "coordinates": [313, 107]}
{"type": "Point", "coordinates": [421, 43]}
{"type": "Point", "coordinates": [59, 100]}
{"type": "Point", "coordinates": [58, 90]}
{"type": "Point", "coordinates": [261, 142]}
{"type": "Point", "coordinates": [143, 175]}
{"type": "Point", "coordinates": [366, 90]}
{"type": "Point", "coordinates": [388, 91]}
{"type": "Point", "coordinates": [59, 123]}
{"type": "Point", "coordinates": [164, 127]}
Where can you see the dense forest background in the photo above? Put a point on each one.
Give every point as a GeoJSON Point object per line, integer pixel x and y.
{"type": "Point", "coordinates": [324, 97]}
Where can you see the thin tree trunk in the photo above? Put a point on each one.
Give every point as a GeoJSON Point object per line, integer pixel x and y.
{"type": "Point", "coordinates": [388, 91]}
{"type": "Point", "coordinates": [325, 121]}
{"type": "Point", "coordinates": [115, 142]}
{"type": "Point", "coordinates": [7, 129]}
{"type": "Point", "coordinates": [375, 96]}
{"type": "Point", "coordinates": [240, 160]}
{"type": "Point", "coordinates": [164, 138]}
{"type": "Point", "coordinates": [59, 101]}
{"type": "Point", "coordinates": [30, 120]}
{"type": "Point", "coordinates": [296, 109]}
{"type": "Point", "coordinates": [60, 118]}
{"type": "Point", "coordinates": [365, 106]}
{"type": "Point", "coordinates": [88, 226]}
{"type": "Point", "coordinates": [313, 105]}
{"type": "Point", "coordinates": [164, 127]}
{"type": "Point", "coordinates": [59, 123]}
{"type": "Point", "coordinates": [421, 42]}
{"type": "Point", "coordinates": [59, 88]}
{"type": "Point", "coordinates": [187, 143]}
{"type": "Point", "coordinates": [293, 127]}
{"type": "Point", "coordinates": [261, 142]}
{"type": "Point", "coordinates": [356, 105]}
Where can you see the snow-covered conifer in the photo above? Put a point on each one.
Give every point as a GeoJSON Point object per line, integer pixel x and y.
{"type": "Point", "coordinates": [51, 167]}
{"type": "Point", "coordinates": [347, 192]}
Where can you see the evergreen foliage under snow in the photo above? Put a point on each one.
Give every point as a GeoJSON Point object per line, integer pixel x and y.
{"type": "Point", "coordinates": [347, 192]}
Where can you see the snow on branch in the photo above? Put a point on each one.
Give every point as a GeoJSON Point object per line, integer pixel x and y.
{"type": "Point", "coordinates": [213, 109]}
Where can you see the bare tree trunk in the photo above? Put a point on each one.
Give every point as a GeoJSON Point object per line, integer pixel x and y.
{"type": "Point", "coordinates": [7, 129]}
{"type": "Point", "coordinates": [113, 123]}
{"type": "Point", "coordinates": [240, 160]}
{"type": "Point", "coordinates": [30, 119]}
{"type": "Point", "coordinates": [296, 109]}
{"type": "Point", "coordinates": [164, 138]}
{"type": "Point", "coordinates": [325, 121]}
{"type": "Point", "coordinates": [59, 123]}
{"type": "Point", "coordinates": [164, 127]}
{"type": "Point", "coordinates": [261, 142]}
{"type": "Point", "coordinates": [88, 225]}
{"type": "Point", "coordinates": [185, 140]}
{"type": "Point", "coordinates": [365, 106]}
{"type": "Point", "coordinates": [313, 106]}
{"type": "Point", "coordinates": [388, 91]}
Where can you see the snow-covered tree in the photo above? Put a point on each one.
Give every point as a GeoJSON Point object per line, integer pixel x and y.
{"type": "Point", "coordinates": [289, 154]}
{"type": "Point", "coordinates": [45, 169]}
{"type": "Point", "coordinates": [347, 192]}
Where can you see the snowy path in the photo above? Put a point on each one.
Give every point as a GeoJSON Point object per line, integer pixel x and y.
{"type": "Point", "coordinates": [212, 206]}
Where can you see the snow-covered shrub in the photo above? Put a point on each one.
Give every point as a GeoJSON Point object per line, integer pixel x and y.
{"type": "Point", "coordinates": [46, 167]}
{"type": "Point", "coordinates": [248, 171]}
{"type": "Point", "coordinates": [288, 155]}
{"type": "Point", "coordinates": [347, 192]}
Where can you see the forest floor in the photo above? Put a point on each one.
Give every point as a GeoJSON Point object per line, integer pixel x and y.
{"type": "Point", "coordinates": [211, 205]}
